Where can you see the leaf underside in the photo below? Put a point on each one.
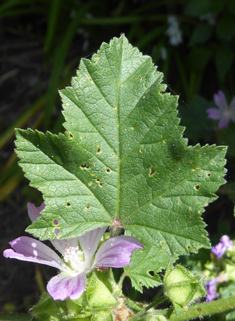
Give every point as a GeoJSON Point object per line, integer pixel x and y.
{"type": "Point", "coordinates": [122, 159]}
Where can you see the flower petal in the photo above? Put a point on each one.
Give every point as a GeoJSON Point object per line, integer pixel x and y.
{"type": "Point", "coordinates": [223, 123]}
{"type": "Point", "coordinates": [34, 212]}
{"type": "Point", "coordinates": [31, 250]}
{"type": "Point", "coordinates": [214, 113]}
{"type": "Point", "coordinates": [218, 250]}
{"type": "Point", "coordinates": [116, 252]}
{"type": "Point", "coordinates": [220, 100]}
{"type": "Point", "coordinates": [63, 245]}
{"type": "Point", "coordinates": [225, 240]}
{"type": "Point", "coordinates": [62, 286]}
{"type": "Point", "coordinates": [89, 242]}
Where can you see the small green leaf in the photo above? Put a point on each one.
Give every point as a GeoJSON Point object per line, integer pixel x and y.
{"type": "Point", "coordinates": [145, 264]}
{"type": "Point", "coordinates": [197, 7]}
{"type": "Point", "coordinates": [223, 60]}
{"type": "Point", "coordinates": [226, 28]}
{"type": "Point", "coordinates": [198, 59]}
{"type": "Point", "coordinates": [201, 34]}
{"type": "Point", "coordinates": [195, 119]}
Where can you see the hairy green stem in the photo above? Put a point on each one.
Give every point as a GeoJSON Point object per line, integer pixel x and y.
{"type": "Point", "coordinates": [151, 305]}
{"type": "Point", "coordinates": [122, 277]}
{"type": "Point", "coordinates": [203, 309]}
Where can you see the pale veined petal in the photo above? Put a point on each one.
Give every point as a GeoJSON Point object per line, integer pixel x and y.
{"type": "Point", "coordinates": [35, 212]}
{"type": "Point", "coordinates": [220, 100]}
{"type": "Point", "coordinates": [89, 242]}
{"type": "Point", "coordinates": [62, 286]}
{"type": "Point", "coordinates": [116, 251]}
{"type": "Point", "coordinates": [31, 250]}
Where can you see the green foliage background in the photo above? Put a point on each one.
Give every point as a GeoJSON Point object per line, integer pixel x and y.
{"type": "Point", "coordinates": [47, 39]}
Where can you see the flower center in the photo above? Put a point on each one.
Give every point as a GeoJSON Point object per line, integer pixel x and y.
{"type": "Point", "coordinates": [227, 114]}
{"type": "Point", "coordinates": [74, 258]}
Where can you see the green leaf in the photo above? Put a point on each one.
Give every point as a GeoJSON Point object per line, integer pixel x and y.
{"type": "Point", "coordinates": [201, 34]}
{"type": "Point", "coordinates": [226, 28]}
{"type": "Point", "coordinates": [223, 61]}
{"type": "Point", "coordinates": [198, 59]}
{"type": "Point", "coordinates": [145, 267]}
{"type": "Point", "coordinates": [122, 161]}
{"type": "Point", "coordinates": [194, 117]}
{"type": "Point", "coordinates": [197, 7]}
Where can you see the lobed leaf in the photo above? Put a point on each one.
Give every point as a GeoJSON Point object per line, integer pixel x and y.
{"type": "Point", "coordinates": [123, 161]}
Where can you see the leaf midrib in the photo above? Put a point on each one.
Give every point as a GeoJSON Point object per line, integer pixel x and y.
{"type": "Point", "coordinates": [118, 127]}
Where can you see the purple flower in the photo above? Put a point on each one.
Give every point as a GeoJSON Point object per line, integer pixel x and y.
{"type": "Point", "coordinates": [222, 246]}
{"type": "Point", "coordinates": [225, 113]}
{"type": "Point", "coordinates": [80, 256]}
{"type": "Point", "coordinates": [210, 288]}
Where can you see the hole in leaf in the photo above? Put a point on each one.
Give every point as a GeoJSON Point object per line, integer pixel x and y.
{"type": "Point", "coordinates": [68, 204]}
{"type": "Point", "coordinates": [101, 184]}
{"type": "Point", "coordinates": [57, 231]}
{"type": "Point", "coordinates": [85, 166]}
{"type": "Point", "coordinates": [188, 247]}
{"type": "Point", "coordinates": [108, 170]}
{"type": "Point", "coordinates": [141, 150]}
{"type": "Point", "coordinates": [71, 136]}
{"type": "Point", "coordinates": [55, 222]}
{"type": "Point", "coordinates": [87, 207]}
{"type": "Point", "coordinates": [98, 180]}
{"type": "Point", "coordinates": [152, 171]}
{"type": "Point", "coordinates": [208, 174]}
{"type": "Point", "coordinates": [197, 187]}
{"type": "Point", "coordinates": [98, 150]}
{"type": "Point", "coordinates": [151, 273]}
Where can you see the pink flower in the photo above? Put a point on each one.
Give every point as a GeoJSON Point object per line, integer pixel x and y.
{"type": "Point", "coordinates": [225, 113]}
{"type": "Point", "coordinates": [80, 256]}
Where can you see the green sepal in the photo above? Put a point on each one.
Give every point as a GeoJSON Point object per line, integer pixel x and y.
{"type": "Point", "coordinates": [98, 294]}
{"type": "Point", "coordinates": [47, 309]}
{"type": "Point", "coordinates": [183, 287]}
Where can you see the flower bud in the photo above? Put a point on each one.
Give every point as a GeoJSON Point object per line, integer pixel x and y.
{"type": "Point", "coordinates": [183, 287]}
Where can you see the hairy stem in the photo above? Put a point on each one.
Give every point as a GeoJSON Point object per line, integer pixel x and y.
{"type": "Point", "coordinates": [203, 309]}
{"type": "Point", "coordinates": [151, 305]}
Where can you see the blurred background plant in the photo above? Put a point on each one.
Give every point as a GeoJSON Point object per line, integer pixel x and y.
{"type": "Point", "coordinates": [42, 42]}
